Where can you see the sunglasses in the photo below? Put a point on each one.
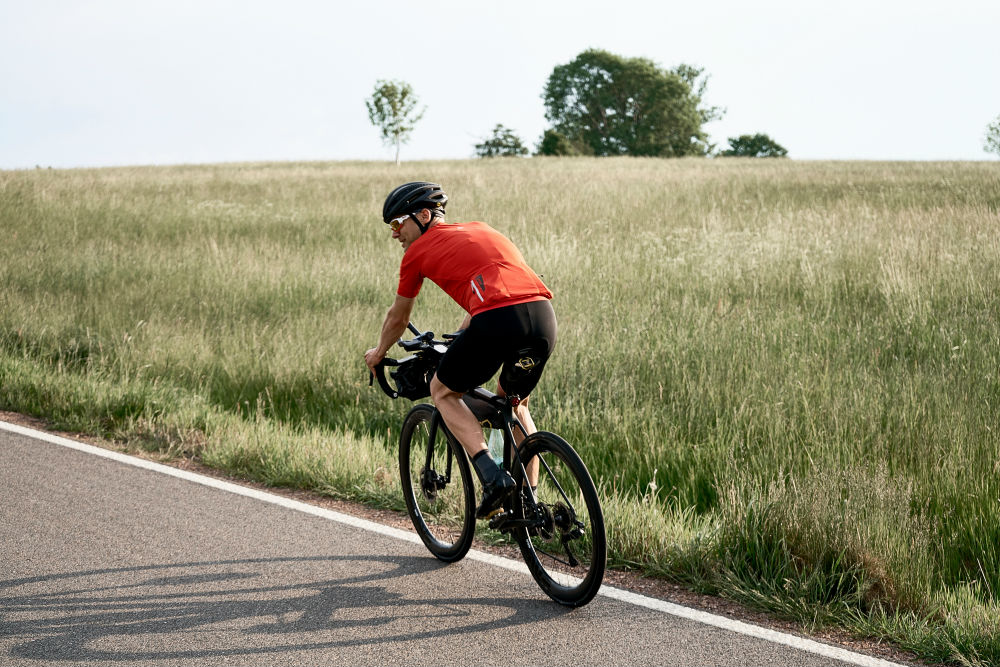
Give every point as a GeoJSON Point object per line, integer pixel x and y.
{"type": "Point", "coordinates": [396, 223]}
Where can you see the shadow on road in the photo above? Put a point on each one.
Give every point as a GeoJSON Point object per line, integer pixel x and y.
{"type": "Point", "coordinates": [239, 607]}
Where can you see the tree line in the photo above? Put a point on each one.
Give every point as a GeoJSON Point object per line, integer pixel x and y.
{"type": "Point", "coordinates": [599, 104]}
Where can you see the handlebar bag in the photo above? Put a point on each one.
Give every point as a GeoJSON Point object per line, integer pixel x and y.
{"type": "Point", "coordinates": [413, 378]}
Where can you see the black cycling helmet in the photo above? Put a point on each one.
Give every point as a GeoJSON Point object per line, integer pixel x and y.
{"type": "Point", "coordinates": [411, 197]}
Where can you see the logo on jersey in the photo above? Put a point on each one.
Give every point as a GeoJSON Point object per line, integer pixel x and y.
{"type": "Point", "coordinates": [478, 286]}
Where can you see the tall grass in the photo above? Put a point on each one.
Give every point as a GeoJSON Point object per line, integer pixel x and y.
{"type": "Point", "coordinates": [783, 375]}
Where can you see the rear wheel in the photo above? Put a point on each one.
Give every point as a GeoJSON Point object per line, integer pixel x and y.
{"type": "Point", "coordinates": [437, 484]}
{"type": "Point", "coordinates": [566, 548]}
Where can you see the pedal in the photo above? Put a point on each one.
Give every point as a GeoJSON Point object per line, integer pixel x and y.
{"type": "Point", "coordinates": [498, 518]}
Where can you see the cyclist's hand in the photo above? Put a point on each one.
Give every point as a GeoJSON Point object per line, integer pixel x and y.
{"type": "Point", "coordinates": [373, 358]}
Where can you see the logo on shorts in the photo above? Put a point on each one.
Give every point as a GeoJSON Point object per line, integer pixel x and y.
{"type": "Point", "coordinates": [526, 363]}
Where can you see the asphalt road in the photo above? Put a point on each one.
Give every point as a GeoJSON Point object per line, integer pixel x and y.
{"type": "Point", "coordinates": [102, 562]}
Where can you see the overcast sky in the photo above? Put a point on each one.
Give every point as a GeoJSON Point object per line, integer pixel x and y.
{"type": "Point", "coordinates": [132, 82]}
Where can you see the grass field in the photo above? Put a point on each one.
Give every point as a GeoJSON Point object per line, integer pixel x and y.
{"type": "Point", "coordinates": [782, 375]}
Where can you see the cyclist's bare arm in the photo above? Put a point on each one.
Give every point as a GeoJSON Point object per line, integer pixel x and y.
{"type": "Point", "coordinates": [392, 328]}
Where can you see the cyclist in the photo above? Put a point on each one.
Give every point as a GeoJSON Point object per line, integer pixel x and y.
{"type": "Point", "coordinates": [509, 324]}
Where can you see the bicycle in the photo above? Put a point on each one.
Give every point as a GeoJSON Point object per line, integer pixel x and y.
{"type": "Point", "coordinates": [558, 526]}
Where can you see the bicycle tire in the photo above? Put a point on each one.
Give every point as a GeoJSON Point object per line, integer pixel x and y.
{"type": "Point", "coordinates": [574, 522]}
{"type": "Point", "coordinates": [440, 497]}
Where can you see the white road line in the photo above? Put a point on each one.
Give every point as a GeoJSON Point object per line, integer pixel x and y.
{"type": "Point", "coordinates": [703, 617]}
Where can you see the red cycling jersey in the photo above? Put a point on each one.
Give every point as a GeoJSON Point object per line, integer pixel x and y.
{"type": "Point", "coordinates": [474, 264]}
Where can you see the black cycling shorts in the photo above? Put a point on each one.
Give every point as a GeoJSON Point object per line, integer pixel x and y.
{"type": "Point", "coordinates": [518, 339]}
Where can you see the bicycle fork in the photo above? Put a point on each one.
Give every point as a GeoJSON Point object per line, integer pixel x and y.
{"type": "Point", "coordinates": [431, 481]}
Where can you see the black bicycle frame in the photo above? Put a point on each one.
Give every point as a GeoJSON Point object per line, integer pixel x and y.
{"type": "Point", "coordinates": [498, 412]}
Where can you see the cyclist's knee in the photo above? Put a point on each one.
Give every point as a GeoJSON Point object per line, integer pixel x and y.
{"type": "Point", "coordinates": [503, 392]}
{"type": "Point", "coordinates": [439, 391]}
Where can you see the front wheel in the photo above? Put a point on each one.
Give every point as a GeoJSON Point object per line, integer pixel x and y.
{"type": "Point", "coordinates": [564, 545]}
{"type": "Point", "coordinates": [437, 485]}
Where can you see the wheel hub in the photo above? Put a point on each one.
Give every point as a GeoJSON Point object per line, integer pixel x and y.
{"type": "Point", "coordinates": [565, 521]}
{"type": "Point", "coordinates": [431, 483]}
{"type": "Point", "coordinates": [545, 526]}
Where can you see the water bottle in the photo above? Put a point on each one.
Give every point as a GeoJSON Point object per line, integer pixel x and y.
{"type": "Point", "coordinates": [495, 444]}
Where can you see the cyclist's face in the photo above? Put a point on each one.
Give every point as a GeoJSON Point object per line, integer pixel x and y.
{"type": "Point", "coordinates": [406, 233]}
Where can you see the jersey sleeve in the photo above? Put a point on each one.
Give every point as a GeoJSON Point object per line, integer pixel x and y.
{"type": "Point", "coordinates": [410, 278]}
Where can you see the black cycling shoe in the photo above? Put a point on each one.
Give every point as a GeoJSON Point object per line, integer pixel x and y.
{"type": "Point", "coordinates": [494, 495]}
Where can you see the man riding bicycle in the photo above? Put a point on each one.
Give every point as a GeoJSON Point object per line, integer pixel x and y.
{"type": "Point", "coordinates": [509, 323]}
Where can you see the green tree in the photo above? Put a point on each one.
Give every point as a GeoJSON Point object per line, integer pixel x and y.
{"type": "Point", "coordinates": [553, 143]}
{"type": "Point", "coordinates": [392, 109]}
{"type": "Point", "coordinates": [502, 143]}
{"type": "Point", "coordinates": [992, 141]}
{"type": "Point", "coordinates": [628, 106]}
{"type": "Point", "coordinates": [754, 145]}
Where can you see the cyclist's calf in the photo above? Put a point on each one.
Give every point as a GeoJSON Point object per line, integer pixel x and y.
{"type": "Point", "coordinates": [458, 417]}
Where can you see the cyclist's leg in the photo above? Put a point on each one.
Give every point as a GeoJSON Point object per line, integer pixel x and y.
{"type": "Point", "coordinates": [459, 418]}
{"type": "Point", "coordinates": [524, 417]}
{"type": "Point", "coordinates": [523, 366]}
{"type": "Point", "coordinates": [468, 363]}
